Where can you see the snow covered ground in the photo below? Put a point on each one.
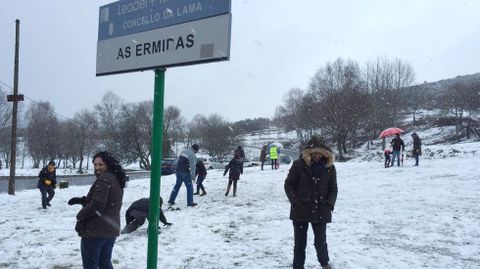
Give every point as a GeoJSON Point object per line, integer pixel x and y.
{"type": "Point", "coordinates": [400, 217]}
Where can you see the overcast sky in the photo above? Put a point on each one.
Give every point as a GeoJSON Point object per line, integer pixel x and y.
{"type": "Point", "coordinates": [276, 45]}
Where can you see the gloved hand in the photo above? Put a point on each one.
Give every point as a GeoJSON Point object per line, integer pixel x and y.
{"type": "Point", "coordinates": [77, 200]}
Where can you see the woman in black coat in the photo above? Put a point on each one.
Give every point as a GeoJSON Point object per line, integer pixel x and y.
{"type": "Point", "coordinates": [236, 169]}
{"type": "Point", "coordinates": [311, 188]}
{"type": "Point", "coordinates": [417, 147]}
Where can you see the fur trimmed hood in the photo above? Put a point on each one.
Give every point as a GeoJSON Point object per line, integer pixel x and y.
{"type": "Point", "coordinates": [316, 144]}
{"type": "Point", "coordinates": [323, 151]}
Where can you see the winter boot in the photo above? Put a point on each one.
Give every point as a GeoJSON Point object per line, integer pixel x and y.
{"type": "Point", "coordinates": [203, 193]}
{"type": "Point", "coordinates": [196, 193]}
{"type": "Point", "coordinates": [327, 266]}
{"type": "Point", "coordinates": [228, 188]}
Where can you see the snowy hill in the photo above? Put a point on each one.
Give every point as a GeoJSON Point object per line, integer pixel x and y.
{"type": "Point", "coordinates": [401, 217]}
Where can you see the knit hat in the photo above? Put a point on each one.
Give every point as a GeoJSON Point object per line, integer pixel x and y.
{"type": "Point", "coordinates": [195, 147]}
{"type": "Point", "coordinates": [316, 142]}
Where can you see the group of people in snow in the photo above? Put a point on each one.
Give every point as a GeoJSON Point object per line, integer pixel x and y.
{"type": "Point", "coordinates": [398, 146]}
{"type": "Point", "coordinates": [311, 188]}
{"type": "Point", "coordinates": [271, 151]}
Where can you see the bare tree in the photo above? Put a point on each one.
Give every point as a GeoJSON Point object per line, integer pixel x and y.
{"type": "Point", "coordinates": [403, 76]}
{"type": "Point", "coordinates": [108, 112]}
{"type": "Point", "coordinates": [456, 100]}
{"type": "Point", "coordinates": [415, 98]}
{"type": "Point", "coordinates": [193, 129]}
{"type": "Point", "coordinates": [338, 90]}
{"type": "Point", "coordinates": [297, 113]}
{"type": "Point", "coordinates": [86, 125]}
{"type": "Point", "coordinates": [173, 125]}
{"type": "Point", "coordinates": [135, 128]}
{"type": "Point", "coordinates": [41, 132]}
{"type": "Point", "coordinates": [5, 129]}
{"type": "Point", "coordinates": [66, 150]}
{"type": "Point", "coordinates": [5, 110]}
{"type": "Point", "coordinates": [384, 80]}
{"type": "Point", "coordinates": [214, 135]}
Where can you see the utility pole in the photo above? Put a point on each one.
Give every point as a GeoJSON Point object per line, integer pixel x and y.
{"type": "Point", "coordinates": [15, 98]}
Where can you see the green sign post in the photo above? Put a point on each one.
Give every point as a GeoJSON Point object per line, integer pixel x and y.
{"type": "Point", "coordinates": [155, 175]}
{"type": "Point", "coordinates": [127, 44]}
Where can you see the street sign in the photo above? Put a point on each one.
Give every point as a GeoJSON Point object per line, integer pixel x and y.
{"type": "Point", "coordinates": [127, 17]}
{"type": "Point", "coordinates": [14, 98]}
{"type": "Point", "coordinates": [199, 41]}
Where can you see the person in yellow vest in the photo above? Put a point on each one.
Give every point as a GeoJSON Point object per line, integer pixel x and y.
{"type": "Point", "coordinates": [274, 156]}
{"type": "Point", "coordinates": [47, 181]}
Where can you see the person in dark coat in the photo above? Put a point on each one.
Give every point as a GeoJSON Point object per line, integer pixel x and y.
{"type": "Point", "coordinates": [311, 188]}
{"type": "Point", "coordinates": [235, 166]}
{"type": "Point", "coordinates": [137, 213]}
{"type": "Point", "coordinates": [417, 147]}
{"type": "Point", "coordinates": [240, 153]}
{"type": "Point", "coordinates": [201, 172]}
{"type": "Point", "coordinates": [263, 155]}
{"type": "Point", "coordinates": [98, 222]}
{"type": "Point", "coordinates": [397, 145]}
{"type": "Point", "coordinates": [47, 181]}
{"type": "Point", "coordinates": [387, 153]}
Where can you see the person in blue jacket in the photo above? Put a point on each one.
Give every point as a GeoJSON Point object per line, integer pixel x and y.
{"type": "Point", "coordinates": [185, 172]}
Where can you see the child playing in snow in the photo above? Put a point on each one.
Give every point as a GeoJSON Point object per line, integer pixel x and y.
{"type": "Point", "coordinates": [387, 154]}
{"type": "Point", "coordinates": [236, 168]}
{"type": "Point", "coordinates": [201, 172]}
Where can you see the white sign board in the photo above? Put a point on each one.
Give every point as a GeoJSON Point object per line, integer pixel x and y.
{"type": "Point", "coordinates": [200, 41]}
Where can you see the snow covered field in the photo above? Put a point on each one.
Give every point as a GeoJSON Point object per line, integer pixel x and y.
{"type": "Point", "coordinates": [400, 217]}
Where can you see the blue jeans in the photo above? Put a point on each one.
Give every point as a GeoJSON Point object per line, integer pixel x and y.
{"type": "Point", "coordinates": [320, 242]}
{"type": "Point", "coordinates": [97, 253]}
{"type": "Point", "coordinates": [395, 153]}
{"type": "Point", "coordinates": [182, 177]}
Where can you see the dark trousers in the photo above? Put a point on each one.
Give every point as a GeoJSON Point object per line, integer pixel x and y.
{"type": "Point", "coordinates": [320, 242]}
{"type": "Point", "coordinates": [230, 181]}
{"type": "Point", "coordinates": [200, 184]}
{"type": "Point", "coordinates": [274, 164]}
{"type": "Point", "coordinates": [97, 253]}
{"type": "Point", "coordinates": [416, 159]}
{"type": "Point", "coordinates": [387, 161]}
{"type": "Point", "coordinates": [139, 218]}
{"type": "Point", "coordinates": [47, 194]}
{"type": "Point", "coordinates": [263, 162]}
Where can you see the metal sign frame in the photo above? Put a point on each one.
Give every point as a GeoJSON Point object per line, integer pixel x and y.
{"type": "Point", "coordinates": [201, 41]}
